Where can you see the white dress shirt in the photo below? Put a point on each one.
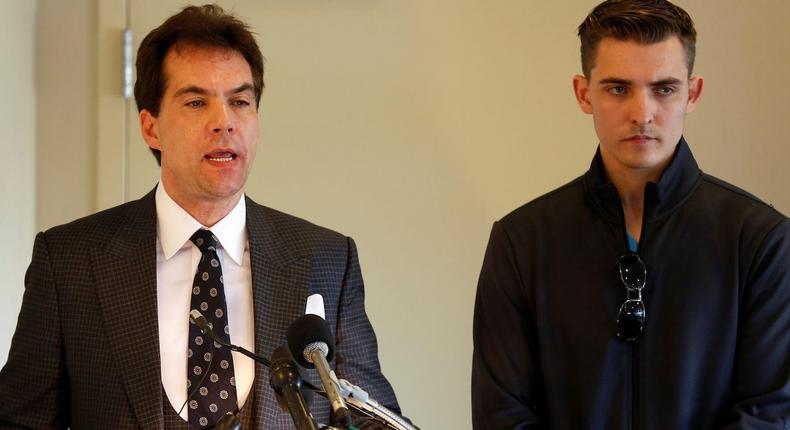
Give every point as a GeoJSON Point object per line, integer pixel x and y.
{"type": "Point", "coordinates": [176, 262]}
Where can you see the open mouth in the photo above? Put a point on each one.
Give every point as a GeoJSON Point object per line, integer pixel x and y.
{"type": "Point", "coordinates": [221, 156]}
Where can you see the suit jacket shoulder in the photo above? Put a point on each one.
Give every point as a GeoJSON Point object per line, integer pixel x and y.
{"type": "Point", "coordinates": [286, 237]}
{"type": "Point", "coordinates": [134, 219]}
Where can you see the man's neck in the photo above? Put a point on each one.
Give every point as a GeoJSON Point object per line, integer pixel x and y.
{"type": "Point", "coordinates": [209, 214]}
{"type": "Point", "coordinates": [206, 212]}
{"type": "Point", "coordinates": [630, 186]}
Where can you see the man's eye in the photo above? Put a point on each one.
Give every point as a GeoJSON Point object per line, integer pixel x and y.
{"type": "Point", "coordinates": [665, 91]}
{"type": "Point", "coordinates": [240, 102]}
{"type": "Point", "coordinates": [194, 103]}
{"type": "Point", "coordinates": [617, 90]}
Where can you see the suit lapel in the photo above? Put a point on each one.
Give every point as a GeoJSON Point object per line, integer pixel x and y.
{"type": "Point", "coordinates": [280, 285]}
{"type": "Point", "coordinates": [125, 273]}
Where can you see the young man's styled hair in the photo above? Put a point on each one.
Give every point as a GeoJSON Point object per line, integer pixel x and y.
{"type": "Point", "coordinates": [203, 26]}
{"type": "Point", "coordinates": [641, 21]}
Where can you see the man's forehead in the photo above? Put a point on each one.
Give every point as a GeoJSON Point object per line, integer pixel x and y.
{"type": "Point", "coordinates": [191, 65]}
{"type": "Point", "coordinates": [627, 59]}
{"type": "Point", "coordinates": [187, 49]}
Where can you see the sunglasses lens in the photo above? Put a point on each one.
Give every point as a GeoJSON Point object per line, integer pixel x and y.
{"type": "Point", "coordinates": [631, 320]}
{"type": "Point", "coordinates": [632, 271]}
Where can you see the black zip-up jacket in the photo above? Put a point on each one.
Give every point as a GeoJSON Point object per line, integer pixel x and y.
{"type": "Point", "coordinates": [715, 351]}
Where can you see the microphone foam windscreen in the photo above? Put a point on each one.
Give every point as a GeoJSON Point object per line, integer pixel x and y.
{"type": "Point", "coordinates": [308, 329]}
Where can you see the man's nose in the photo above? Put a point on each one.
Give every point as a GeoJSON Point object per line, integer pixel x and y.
{"type": "Point", "coordinates": [221, 119]}
{"type": "Point", "coordinates": [642, 108]}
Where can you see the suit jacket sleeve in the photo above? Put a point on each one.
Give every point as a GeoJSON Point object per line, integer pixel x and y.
{"type": "Point", "coordinates": [761, 378]}
{"type": "Point", "coordinates": [33, 382]}
{"type": "Point", "coordinates": [505, 377]}
{"type": "Point", "coordinates": [356, 346]}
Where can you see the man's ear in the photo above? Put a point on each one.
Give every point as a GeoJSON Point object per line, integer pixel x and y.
{"type": "Point", "coordinates": [695, 90]}
{"type": "Point", "coordinates": [580, 90]}
{"type": "Point", "coordinates": [149, 127]}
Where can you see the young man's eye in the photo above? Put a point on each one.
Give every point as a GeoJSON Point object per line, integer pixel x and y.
{"type": "Point", "coordinates": [240, 102]}
{"type": "Point", "coordinates": [665, 91]}
{"type": "Point", "coordinates": [616, 90]}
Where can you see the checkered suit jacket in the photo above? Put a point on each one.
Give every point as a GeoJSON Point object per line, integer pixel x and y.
{"type": "Point", "coordinates": [86, 352]}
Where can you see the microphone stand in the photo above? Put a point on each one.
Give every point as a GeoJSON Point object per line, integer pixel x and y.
{"type": "Point", "coordinates": [358, 399]}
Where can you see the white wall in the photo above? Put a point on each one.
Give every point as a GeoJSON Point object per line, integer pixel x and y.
{"type": "Point", "coordinates": [48, 118]}
{"type": "Point", "coordinates": [18, 149]}
{"type": "Point", "coordinates": [66, 111]}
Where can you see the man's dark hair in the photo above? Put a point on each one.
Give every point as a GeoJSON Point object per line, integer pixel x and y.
{"type": "Point", "coordinates": [642, 21]}
{"type": "Point", "coordinates": [202, 26]}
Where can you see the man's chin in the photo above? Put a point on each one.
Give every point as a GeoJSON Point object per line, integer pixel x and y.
{"type": "Point", "coordinates": [646, 165]}
{"type": "Point", "coordinates": [223, 191]}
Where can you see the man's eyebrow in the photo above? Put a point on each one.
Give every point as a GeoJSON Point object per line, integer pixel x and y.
{"type": "Point", "coordinates": [616, 81]}
{"type": "Point", "coordinates": [242, 88]}
{"type": "Point", "coordinates": [659, 83]}
{"type": "Point", "coordinates": [192, 89]}
{"type": "Point", "coordinates": [667, 81]}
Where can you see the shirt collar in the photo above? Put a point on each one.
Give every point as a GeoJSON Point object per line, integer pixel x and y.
{"type": "Point", "coordinates": [175, 226]}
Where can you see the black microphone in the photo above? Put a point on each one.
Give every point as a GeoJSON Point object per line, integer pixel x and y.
{"type": "Point", "coordinates": [312, 345]}
{"type": "Point", "coordinates": [228, 422]}
{"type": "Point", "coordinates": [287, 383]}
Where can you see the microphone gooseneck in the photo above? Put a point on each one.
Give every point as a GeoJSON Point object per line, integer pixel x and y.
{"type": "Point", "coordinates": [199, 320]}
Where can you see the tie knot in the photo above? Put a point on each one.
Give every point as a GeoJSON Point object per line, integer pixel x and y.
{"type": "Point", "coordinates": [205, 240]}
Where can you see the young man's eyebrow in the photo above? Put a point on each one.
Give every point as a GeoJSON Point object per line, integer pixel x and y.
{"type": "Point", "coordinates": [617, 81]}
{"type": "Point", "coordinates": [667, 81]}
{"type": "Point", "coordinates": [658, 83]}
{"type": "Point", "coordinates": [625, 82]}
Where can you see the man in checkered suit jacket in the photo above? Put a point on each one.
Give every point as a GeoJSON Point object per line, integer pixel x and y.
{"type": "Point", "coordinates": [86, 352]}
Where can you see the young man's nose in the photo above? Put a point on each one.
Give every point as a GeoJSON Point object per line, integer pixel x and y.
{"type": "Point", "coordinates": [642, 108]}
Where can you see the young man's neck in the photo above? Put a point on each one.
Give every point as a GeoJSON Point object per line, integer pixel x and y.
{"type": "Point", "coordinates": [630, 184]}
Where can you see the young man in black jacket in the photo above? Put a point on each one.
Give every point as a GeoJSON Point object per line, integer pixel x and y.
{"type": "Point", "coordinates": [645, 294]}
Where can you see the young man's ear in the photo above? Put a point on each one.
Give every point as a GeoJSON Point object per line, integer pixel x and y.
{"type": "Point", "coordinates": [581, 91]}
{"type": "Point", "coordinates": [149, 127]}
{"type": "Point", "coordinates": [695, 89]}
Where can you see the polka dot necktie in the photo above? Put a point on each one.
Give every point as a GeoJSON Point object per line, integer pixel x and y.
{"type": "Point", "coordinates": [213, 376]}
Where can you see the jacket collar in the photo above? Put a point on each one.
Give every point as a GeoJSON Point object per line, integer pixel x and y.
{"type": "Point", "coordinates": [677, 182]}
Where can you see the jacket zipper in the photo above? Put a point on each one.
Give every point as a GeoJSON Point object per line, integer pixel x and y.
{"type": "Point", "coordinates": [635, 344]}
{"type": "Point", "coordinates": [635, 385]}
